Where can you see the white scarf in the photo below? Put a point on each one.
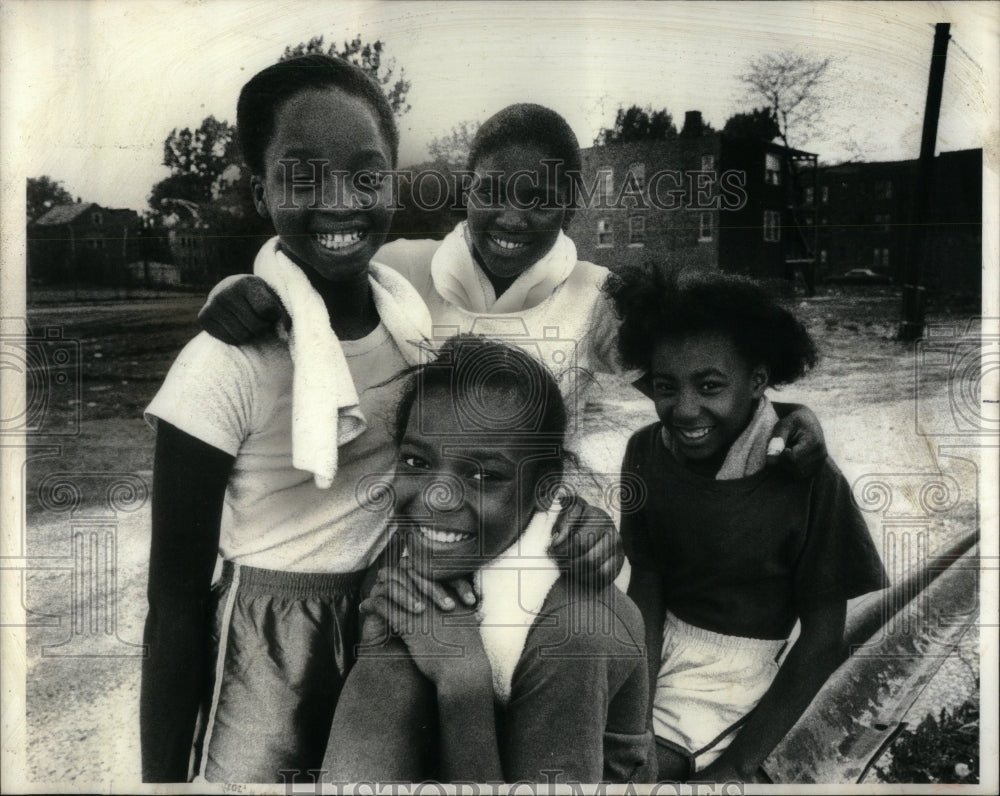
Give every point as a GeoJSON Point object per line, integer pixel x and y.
{"type": "Point", "coordinates": [512, 588]}
{"type": "Point", "coordinates": [460, 280]}
{"type": "Point", "coordinates": [325, 407]}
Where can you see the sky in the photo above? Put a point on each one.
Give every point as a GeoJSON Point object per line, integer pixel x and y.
{"type": "Point", "coordinates": [90, 89]}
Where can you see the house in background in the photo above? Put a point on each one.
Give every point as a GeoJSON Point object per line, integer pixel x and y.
{"type": "Point", "coordinates": [702, 198]}
{"type": "Point", "coordinates": [864, 215]}
{"type": "Point", "coordinates": [83, 243]}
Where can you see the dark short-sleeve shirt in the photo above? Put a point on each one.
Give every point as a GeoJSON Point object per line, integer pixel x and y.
{"type": "Point", "coordinates": [747, 556]}
{"type": "Point", "coordinates": [578, 703]}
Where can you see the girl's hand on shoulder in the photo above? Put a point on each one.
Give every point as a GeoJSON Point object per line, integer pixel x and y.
{"type": "Point", "coordinates": [240, 309]}
{"type": "Point", "coordinates": [445, 645]}
{"type": "Point", "coordinates": [587, 536]}
{"type": "Point", "coordinates": [797, 442]}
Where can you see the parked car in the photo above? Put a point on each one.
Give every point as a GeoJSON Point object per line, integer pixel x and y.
{"type": "Point", "coordinates": [859, 276]}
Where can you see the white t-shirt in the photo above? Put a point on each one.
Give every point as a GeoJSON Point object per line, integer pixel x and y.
{"type": "Point", "coordinates": [239, 400]}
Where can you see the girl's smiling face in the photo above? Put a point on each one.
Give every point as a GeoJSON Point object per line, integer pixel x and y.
{"type": "Point", "coordinates": [510, 235]}
{"type": "Point", "coordinates": [326, 147]}
{"type": "Point", "coordinates": [461, 498]}
{"type": "Point", "coordinates": [705, 392]}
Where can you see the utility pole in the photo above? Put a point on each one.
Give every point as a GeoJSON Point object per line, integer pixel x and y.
{"type": "Point", "coordinates": [912, 324]}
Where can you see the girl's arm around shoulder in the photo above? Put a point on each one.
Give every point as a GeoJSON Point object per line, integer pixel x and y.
{"type": "Point", "coordinates": [240, 309]}
{"type": "Point", "coordinates": [803, 446]}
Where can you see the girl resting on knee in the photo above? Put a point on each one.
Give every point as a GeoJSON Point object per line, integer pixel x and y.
{"type": "Point", "coordinates": [726, 554]}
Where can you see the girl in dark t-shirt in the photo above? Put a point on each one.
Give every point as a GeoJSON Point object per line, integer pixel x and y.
{"type": "Point", "coordinates": [726, 555]}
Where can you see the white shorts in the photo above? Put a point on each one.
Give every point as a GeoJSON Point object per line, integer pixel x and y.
{"type": "Point", "coordinates": [706, 687]}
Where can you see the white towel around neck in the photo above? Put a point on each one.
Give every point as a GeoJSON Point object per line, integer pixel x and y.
{"type": "Point", "coordinates": [461, 281]}
{"type": "Point", "coordinates": [325, 407]}
{"type": "Point", "coordinates": [512, 588]}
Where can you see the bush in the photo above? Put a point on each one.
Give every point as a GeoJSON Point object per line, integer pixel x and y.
{"type": "Point", "coordinates": [942, 750]}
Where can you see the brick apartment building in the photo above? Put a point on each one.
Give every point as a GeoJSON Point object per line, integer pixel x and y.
{"type": "Point", "coordinates": [863, 213]}
{"type": "Point", "coordinates": [702, 198]}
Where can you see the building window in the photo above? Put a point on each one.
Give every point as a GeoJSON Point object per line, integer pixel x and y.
{"type": "Point", "coordinates": [605, 237]}
{"type": "Point", "coordinates": [883, 220]}
{"type": "Point", "coordinates": [638, 171]}
{"type": "Point", "coordinates": [708, 162]}
{"type": "Point", "coordinates": [636, 231]}
{"type": "Point", "coordinates": [883, 189]}
{"type": "Point", "coordinates": [96, 219]}
{"type": "Point", "coordinates": [880, 258]}
{"type": "Point", "coordinates": [704, 227]}
{"type": "Point", "coordinates": [810, 195]}
{"type": "Point", "coordinates": [605, 184]}
{"type": "Point", "coordinates": [772, 169]}
{"type": "Point", "coordinates": [772, 226]}
{"type": "Point", "coordinates": [824, 194]}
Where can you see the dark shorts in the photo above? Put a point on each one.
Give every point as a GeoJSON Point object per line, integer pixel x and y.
{"type": "Point", "coordinates": [283, 644]}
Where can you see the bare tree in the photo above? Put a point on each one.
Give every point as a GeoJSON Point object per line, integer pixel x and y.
{"type": "Point", "coordinates": [792, 85]}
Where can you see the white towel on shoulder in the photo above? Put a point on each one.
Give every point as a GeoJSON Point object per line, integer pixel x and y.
{"type": "Point", "coordinates": [748, 455]}
{"type": "Point", "coordinates": [461, 281]}
{"type": "Point", "coordinates": [512, 588]}
{"type": "Point", "coordinates": [325, 407]}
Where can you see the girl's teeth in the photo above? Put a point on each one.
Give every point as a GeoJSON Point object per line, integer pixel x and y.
{"type": "Point", "coordinates": [507, 244]}
{"type": "Point", "coordinates": [694, 433]}
{"type": "Point", "coordinates": [339, 240]}
{"type": "Point", "coordinates": [446, 537]}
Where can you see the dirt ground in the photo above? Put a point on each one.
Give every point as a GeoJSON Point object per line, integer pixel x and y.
{"type": "Point", "coordinates": [894, 414]}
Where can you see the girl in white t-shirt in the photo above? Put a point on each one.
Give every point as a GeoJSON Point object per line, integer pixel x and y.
{"type": "Point", "coordinates": [240, 679]}
{"type": "Point", "coordinates": [267, 455]}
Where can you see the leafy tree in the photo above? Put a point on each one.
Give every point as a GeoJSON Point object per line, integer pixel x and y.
{"type": "Point", "coordinates": [369, 57]}
{"type": "Point", "coordinates": [197, 160]}
{"type": "Point", "coordinates": [758, 124]}
{"type": "Point", "coordinates": [43, 193]}
{"type": "Point", "coordinates": [452, 150]}
{"type": "Point", "coordinates": [793, 87]}
{"type": "Point", "coordinates": [638, 124]}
